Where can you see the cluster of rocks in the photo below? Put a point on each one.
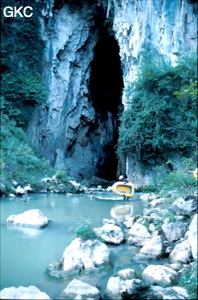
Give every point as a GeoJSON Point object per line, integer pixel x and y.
{"type": "Point", "coordinates": [169, 233]}
{"type": "Point", "coordinates": [55, 185]}
{"type": "Point", "coordinates": [157, 236]}
{"type": "Point", "coordinates": [51, 185]}
{"type": "Point", "coordinates": [17, 190]}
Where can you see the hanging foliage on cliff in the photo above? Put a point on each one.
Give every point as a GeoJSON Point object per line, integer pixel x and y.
{"type": "Point", "coordinates": [162, 118]}
{"type": "Point", "coordinates": [22, 85]}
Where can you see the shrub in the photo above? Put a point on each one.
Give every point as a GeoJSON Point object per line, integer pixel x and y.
{"type": "Point", "coordinates": [189, 281]}
{"type": "Point", "coordinates": [62, 177]}
{"type": "Point", "coordinates": [85, 231]}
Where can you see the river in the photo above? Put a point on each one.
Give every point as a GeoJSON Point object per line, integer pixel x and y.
{"type": "Point", "coordinates": [27, 252]}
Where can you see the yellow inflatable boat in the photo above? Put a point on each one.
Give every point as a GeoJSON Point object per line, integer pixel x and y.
{"type": "Point", "coordinates": [125, 189]}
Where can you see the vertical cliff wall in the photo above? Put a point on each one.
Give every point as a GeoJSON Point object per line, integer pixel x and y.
{"type": "Point", "coordinates": [77, 129]}
{"type": "Point", "coordinates": [87, 63]}
{"type": "Point", "coordinates": [166, 28]}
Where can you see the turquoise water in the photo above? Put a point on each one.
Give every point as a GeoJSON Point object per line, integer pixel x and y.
{"type": "Point", "coordinates": [27, 252]}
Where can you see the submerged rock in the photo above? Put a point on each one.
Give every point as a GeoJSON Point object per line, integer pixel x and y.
{"type": "Point", "coordinates": [21, 292]}
{"type": "Point", "coordinates": [30, 218]}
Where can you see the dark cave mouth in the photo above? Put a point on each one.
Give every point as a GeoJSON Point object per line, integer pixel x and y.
{"type": "Point", "coordinates": [105, 91]}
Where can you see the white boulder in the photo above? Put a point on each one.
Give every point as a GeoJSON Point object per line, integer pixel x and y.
{"type": "Point", "coordinates": [87, 254]}
{"type": "Point", "coordinates": [109, 188]}
{"type": "Point", "coordinates": [28, 188]}
{"type": "Point", "coordinates": [156, 202]}
{"type": "Point", "coordinates": [181, 252]}
{"type": "Point", "coordinates": [174, 231]}
{"type": "Point", "coordinates": [159, 275]}
{"type": "Point", "coordinates": [78, 289]}
{"type": "Point", "coordinates": [138, 234]}
{"type": "Point", "coordinates": [127, 274]}
{"type": "Point", "coordinates": [184, 207]}
{"type": "Point", "coordinates": [116, 286]}
{"type": "Point", "coordinates": [30, 218]}
{"type": "Point", "coordinates": [20, 191]}
{"type": "Point", "coordinates": [148, 197]}
{"type": "Point", "coordinates": [170, 293]}
{"type": "Point", "coordinates": [152, 248]}
{"type": "Point", "coordinates": [192, 236]}
{"type": "Point", "coordinates": [21, 292]}
{"type": "Point", "coordinates": [110, 233]}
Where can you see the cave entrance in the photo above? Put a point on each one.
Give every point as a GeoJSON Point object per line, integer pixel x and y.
{"type": "Point", "coordinates": [105, 91]}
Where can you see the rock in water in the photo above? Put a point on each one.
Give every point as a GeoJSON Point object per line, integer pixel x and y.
{"type": "Point", "coordinates": [30, 218]}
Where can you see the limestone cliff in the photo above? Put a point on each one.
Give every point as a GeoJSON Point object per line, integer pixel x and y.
{"type": "Point", "coordinates": [91, 53]}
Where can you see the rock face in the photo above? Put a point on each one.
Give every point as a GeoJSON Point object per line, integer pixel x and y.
{"type": "Point", "coordinates": [76, 129]}
{"type": "Point", "coordinates": [85, 69]}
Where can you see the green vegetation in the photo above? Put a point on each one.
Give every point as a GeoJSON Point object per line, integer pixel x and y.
{"type": "Point", "coordinates": [60, 175]}
{"type": "Point", "coordinates": [22, 85]}
{"type": "Point", "coordinates": [180, 179]}
{"type": "Point", "coordinates": [85, 230]}
{"type": "Point", "coordinates": [162, 119]}
{"type": "Point", "coordinates": [167, 214]}
{"type": "Point", "coordinates": [189, 281]}
{"type": "Point", "coordinates": [22, 88]}
{"type": "Point", "coordinates": [19, 161]}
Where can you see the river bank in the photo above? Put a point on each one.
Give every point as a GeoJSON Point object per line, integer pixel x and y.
{"type": "Point", "coordinates": [157, 235]}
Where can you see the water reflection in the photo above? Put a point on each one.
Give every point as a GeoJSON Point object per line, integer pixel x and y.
{"type": "Point", "coordinates": [26, 232]}
{"type": "Point", "coordinates": [121, 212]}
